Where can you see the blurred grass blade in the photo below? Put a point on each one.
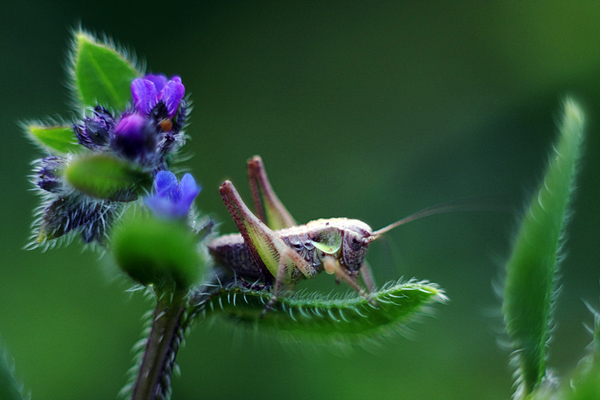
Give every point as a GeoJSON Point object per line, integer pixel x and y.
{"type": "Point", "coordinates": [102, 75]}
{"type": "Point", "coordinates": [10, 389]}
{"type": "Point", "coordinates": [324, 317]}
{"type": "Point", "coordinates": [531, 270]}
{"type": "Point", "coordinates": [55, 138]}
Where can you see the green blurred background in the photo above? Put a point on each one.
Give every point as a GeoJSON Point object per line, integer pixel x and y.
{"type": "Point", "coordinates": [371, 110]}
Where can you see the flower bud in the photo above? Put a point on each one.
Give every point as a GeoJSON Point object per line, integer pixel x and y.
{"type": "Point", "coordinates": [49, 174]}
{"type": "Point", "coordinates": [108, 178]}
{"type": "Point", "coordinates": [94, 132]}
{"type": "Point", "coordinates": [133, 138]}
{"type": "Point", "coordinates": [157, 252]}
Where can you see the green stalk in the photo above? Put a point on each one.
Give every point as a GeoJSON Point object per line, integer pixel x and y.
{"type": "Point", "coordinates": [154, 374]}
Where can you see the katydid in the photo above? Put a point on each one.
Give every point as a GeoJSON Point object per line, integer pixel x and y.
{"type": "Point", "coordinates": [274, 250]}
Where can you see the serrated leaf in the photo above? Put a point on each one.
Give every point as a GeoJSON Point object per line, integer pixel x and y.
{"type": "Point", "coordinates": [323, 316]}
{"type": "Point", "coordinates": [56, 138]}
{"type": "Point", "coordinates": [531, 269]}
{"type": "Point", "coordinates": [102, 75]}
{"type": "Point", "coordinates": [105, 177]}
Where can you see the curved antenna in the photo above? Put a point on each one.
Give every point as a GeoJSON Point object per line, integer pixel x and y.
{"type": "Point", "coordinates": [451, 206]}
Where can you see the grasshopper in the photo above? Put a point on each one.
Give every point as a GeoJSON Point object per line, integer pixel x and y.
{"type": "Point", "coordinates": [274, 250]}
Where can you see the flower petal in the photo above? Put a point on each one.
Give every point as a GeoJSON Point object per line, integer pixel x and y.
{"type": "Point", "coordinates": [165, 182]}
{"type": "Point", "coordinates": [188, 190]}
{"type": "Point", "coordinates": [160, 206]}
{"type": "Point", "coordinates": [159, 81]}
{"type": "Point", "coordinates": [172, 95]}
{"type": "Point", "coordinates": [145, 95]}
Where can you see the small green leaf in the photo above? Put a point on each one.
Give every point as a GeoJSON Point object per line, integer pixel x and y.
{"type": "Point", "coordinates": [105, 177]}
{"type": "Point", "coordinates": [531, 270]}
{"type": "Point", "coordinates": [158, 252]}
{"type": "Point", "coordinates": [102, 74]}
{"type": "Point", "coordinates": [347, 317]}
{"type": "Point", "coordinates": [55, 138]}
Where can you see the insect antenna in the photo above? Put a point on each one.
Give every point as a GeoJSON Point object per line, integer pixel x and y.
{"type": "Point", "coordinates": [451, 206]}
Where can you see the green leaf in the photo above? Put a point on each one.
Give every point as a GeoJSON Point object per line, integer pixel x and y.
{"type": "Point", "coordinates": [105, 177]}
{"type": "Point", "coordinates": [531, 270]}
{"type": "Point", "coordinates": [158, 252]}
{"type": "Point", "coordinates": [347, 317]}
{"type": "Point", "coordinates": [55, 138]}
{"type": "Point", "coordinates": [102, 74]}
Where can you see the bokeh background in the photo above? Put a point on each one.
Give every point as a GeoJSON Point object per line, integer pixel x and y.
{"type": "Point", "coordinates": [371, 110]}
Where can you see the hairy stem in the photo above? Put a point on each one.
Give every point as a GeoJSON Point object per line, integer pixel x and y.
{"type": "Point", "coordinates": [154, 374]}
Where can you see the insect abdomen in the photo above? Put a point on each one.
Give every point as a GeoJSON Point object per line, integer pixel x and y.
{"type": "Point", "coordinates": [231, 252]}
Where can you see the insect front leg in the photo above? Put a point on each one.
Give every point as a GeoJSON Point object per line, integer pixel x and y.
{"type": "Point", "coordinates": [269, 208]}
{"type": "Point", "coordinates": [367, 276]}
{"type": "Point", "coordinates": [332, 266]}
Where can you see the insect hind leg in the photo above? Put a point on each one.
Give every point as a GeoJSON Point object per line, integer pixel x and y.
{"type": "Point", "coordinates": [269, 208]}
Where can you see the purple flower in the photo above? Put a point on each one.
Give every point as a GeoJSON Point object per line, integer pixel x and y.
{"type": "Point", "coordinates": [133, 137]}
{"type": "Point", "coordinates": [172, 199]}
{"type": "Point", "coordinates": [149, 91]}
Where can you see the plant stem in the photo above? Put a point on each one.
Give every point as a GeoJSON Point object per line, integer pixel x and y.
{"type": "Point", "coordinates": [154, 375]}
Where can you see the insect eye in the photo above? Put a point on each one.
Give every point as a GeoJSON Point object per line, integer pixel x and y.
{"type": "Point", "coordinates": [356, 245]}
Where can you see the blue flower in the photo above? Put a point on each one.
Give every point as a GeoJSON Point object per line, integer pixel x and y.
{"type": "Point", "coordinates": [171, 198]}
{"type": "Point", "coordinates": [149, 91]}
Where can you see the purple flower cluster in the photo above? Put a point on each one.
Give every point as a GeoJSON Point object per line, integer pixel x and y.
{"type": "Point", "coordinates": [146, 132]}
